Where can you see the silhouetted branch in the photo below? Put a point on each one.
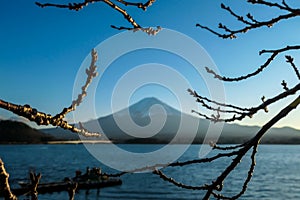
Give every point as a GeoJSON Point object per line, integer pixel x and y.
{"type": "Point", "coordinates": [4, 185]}
{"type": "Point", "coordinates": [41, 118]}
{"type": "Point", "coordinates": [233, 153]}
{"type": "Point", "coordinates": [79, 6]}
{"type": "Point", "coordinates": [284, 5]}
{"type": "Point", "coordinates": [114, 6]}
{"type": "Point", "coordinates": [174, 164]}
{"type": "Point", "coordinates": [35, 179]}
{"type": "Point", "coordinates": [238, 17]}
{"type": "Point", "coordinates": [231, 33]}
{"type": "Point", "coordinates": [260, 69]}
{"type": "Point", "coordinates": [202, 99]}
{"type": "Point", "coordinates": [239, 151]}
{"type": "Point", "coordinates": [226, 148]}
{"type": "Point", "coordinates": [284, 85]}
{"type": "Point", "coordinates": [251, 144]}
{"type": "Point", "coordinates": [178, 184]}
{"type": "Point", "coordinates": [247, 112]}
{"type": "Point", "coordinates": [72, 186]}
{"type": "Point", "coordinates": [278, 51]}
{"type": "Point", "coordinates": [290, 60]}
{"type": "Point", "coordinates": [143, 6]}
{"type": "Point", "coordinates": [91, 73]}
{"type": "Point", "coordinates": [149, 30]}
{"type": "Point", "coordinates": [217, 184]}
{"type": "Point", "coordinates": [247, 180]}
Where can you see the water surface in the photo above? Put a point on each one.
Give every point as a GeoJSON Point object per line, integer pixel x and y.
{"type": "Point", "coordinates": [276, 176]}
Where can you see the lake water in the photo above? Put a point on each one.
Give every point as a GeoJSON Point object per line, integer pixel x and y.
{"type": "Point", "coordinates": [276, 176]}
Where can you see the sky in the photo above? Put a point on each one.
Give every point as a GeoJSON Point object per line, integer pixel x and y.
{"type": "Point", "coordinates": [43, 53]}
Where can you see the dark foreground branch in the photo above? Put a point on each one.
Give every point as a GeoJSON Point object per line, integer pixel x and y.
{"type": "Point", "coordinates": [239, 113]}
{"type": "Point", "coordinates": [35, 179]}
{"type": "Point", "coordinates": [236, 152]}
{"type": "Point", "coordinates": [250, 22]}
{"type": "Point", "coordinates": [252, 144]}
{"type": "Point", "coordinates": [4, 185]}
{"type": "Point", "coordinates": [114, 6]}
{"type": "Point", "coordinates": [274, 54]}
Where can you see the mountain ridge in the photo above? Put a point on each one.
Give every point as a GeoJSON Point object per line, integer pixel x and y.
{"type": "Point", "coordinates": [12, 132]}
{"type": "Point", "coordinates": [141, 111]}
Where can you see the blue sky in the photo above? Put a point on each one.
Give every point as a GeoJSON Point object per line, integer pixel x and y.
{"type": "Point", "coordinates": [41, 51]}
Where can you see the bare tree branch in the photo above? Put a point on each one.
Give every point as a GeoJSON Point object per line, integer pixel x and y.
{"type": "Point", "coordinates": [35, 179]}
{"type": "Point", "coordinates": [114, 6]}
{"type": "Point", "coordinates": [143, 6]}
{"type": "Point", "coordinates": [41, 118]}
{"type": "Point", "coordinates": [247, 112]}
{"type": "Point", "coordinates": [231, 33]}
{"type": "Point", "coordinates": [290, 60]}
{"type": "Point", "coordinates": [234, 153]}
{"type": "Point", "coordinates": [178, 184]}
{"type": "Point", "coordinates": [217, 184]}
{"type": "Point", "coordinates": [260, 69]}
{"type": "Point", "coordinates": [252, 144]}
{"type": "Point", "coordinates": [4, 185]}
{"type": "Point", "coordinates": [72, 186]}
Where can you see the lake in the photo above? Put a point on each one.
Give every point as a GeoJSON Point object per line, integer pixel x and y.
{"type": "Point", "coordinates": [276, 176]}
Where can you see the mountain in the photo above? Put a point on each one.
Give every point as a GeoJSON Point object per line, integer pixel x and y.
{"type": "Point", "coordinates": [136, 120]}
{"type": "Point", "coordinates": [140, 113]}
{"type": "Point", "coordinates": [18, 132]}
{"type": "Point", "coordinates": [143, 114]}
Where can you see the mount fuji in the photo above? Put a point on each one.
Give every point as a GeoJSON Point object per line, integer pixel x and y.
{"type": "Point", "coordinates": [151, 110]}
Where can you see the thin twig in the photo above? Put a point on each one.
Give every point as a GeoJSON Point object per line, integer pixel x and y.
{"type": "Point", "coordinates": [35, 179]}
{"type": "Point", "coordinates": [290, 60]}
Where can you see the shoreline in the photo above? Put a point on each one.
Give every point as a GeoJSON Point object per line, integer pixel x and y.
{"type": "Point", "coordinates": [80, 142]}
{"type": "Point", "coordinates": [60, 142]}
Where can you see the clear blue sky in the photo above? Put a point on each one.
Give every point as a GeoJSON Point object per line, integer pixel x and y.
{"type": "Point", "coordinates": [41, 51]}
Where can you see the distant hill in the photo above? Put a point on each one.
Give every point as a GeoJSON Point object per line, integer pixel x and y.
{"type": "Point", "coordinates": [18, 132]}
{"type": "Point", "coordinates": [140, 114]}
